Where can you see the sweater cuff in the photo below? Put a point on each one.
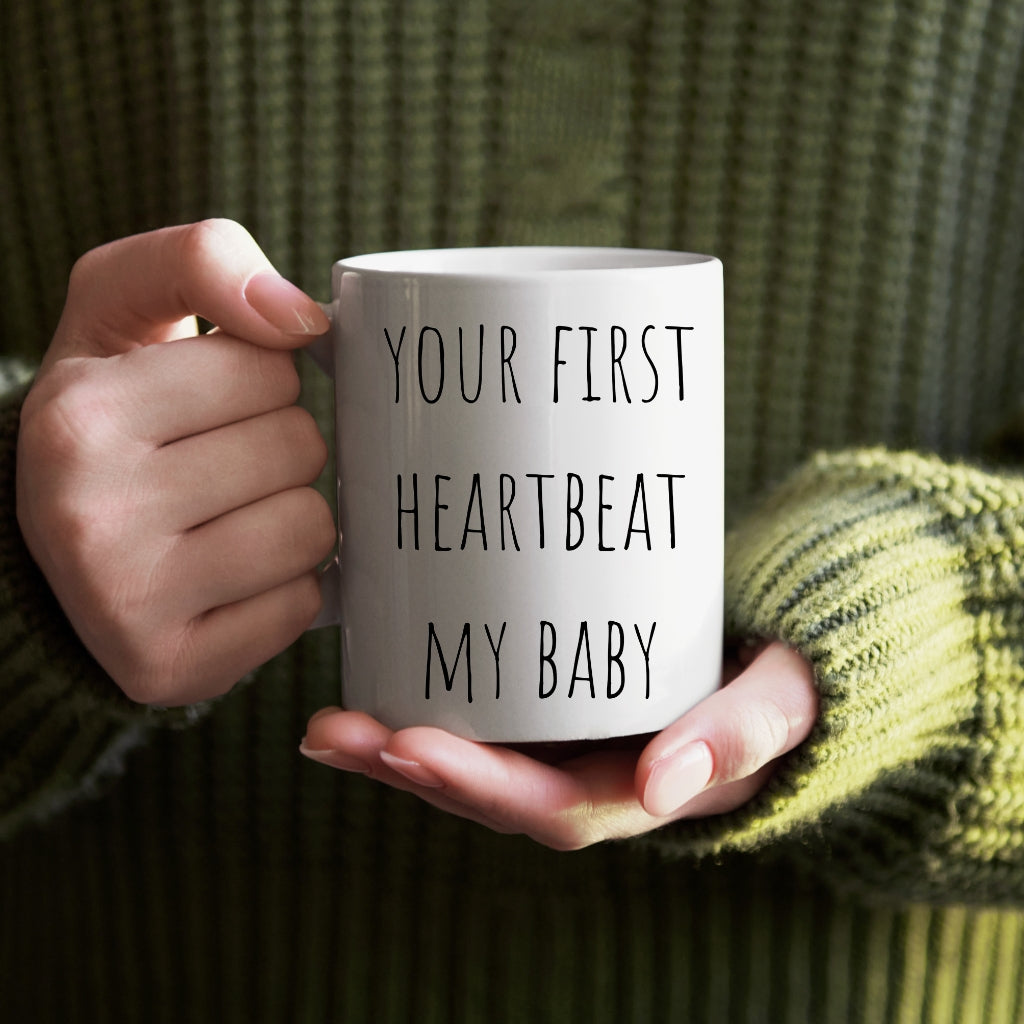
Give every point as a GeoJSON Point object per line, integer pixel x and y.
{"type": "Point", "coordinates": [898, 577]}
{"type": "Point", "coordinates": [64, 724]}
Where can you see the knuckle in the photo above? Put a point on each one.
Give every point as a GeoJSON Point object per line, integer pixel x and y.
{"type": "Point", "coordinates": [86, 269]}
{"type": "Point", "coordinates": [77, 419]}
{"type": "Point", "coordinates": [205, 242]}
{"type": "Point", "coordinates": [72, 483]}
{"type": "Point", "coordinates": [759, 732]}
{"type": "Point", "coordinates": [89, 533]}
{"type": "Point", "coordinates": [62, 411]}
{"type": "Point", "coordinates": [771, 725]}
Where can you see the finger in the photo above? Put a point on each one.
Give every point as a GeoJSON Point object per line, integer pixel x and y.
{"type": "Point", "coordinates": [205, 476]}
{"type": "Point", "coordinates": [132, 291]}
{"type": "Point", "coordinates": [567, 806]}
{"type": "Point", "coordinates": [187, 387]}
{"type": "Point", "coordinates": [576, 803]}
{"type": "Point", "coordinates": [160, 394]}
{"type": "Point", "coordinates": [249, 551]}
{"type": "Point", "coordinates": [354, 742]}
{"type": "Point", "coordinates": [765, 712]}
{"type": "Point", "coordinates": [221, 647]}
{"type": "Point", "coordinates": [584, 799]}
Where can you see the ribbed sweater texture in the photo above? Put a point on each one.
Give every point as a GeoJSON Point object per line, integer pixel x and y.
{"type": "Point", "coordinates": [858, 165]}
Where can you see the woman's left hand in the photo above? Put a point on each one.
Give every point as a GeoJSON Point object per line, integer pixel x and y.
{"type": "Point", "coordinates": [712, 760]}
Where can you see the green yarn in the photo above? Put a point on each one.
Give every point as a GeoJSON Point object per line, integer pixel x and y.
{"type": "Point", "coordinates": [898, 576]}
{"type": "Point", "coordinates": [859, 167]}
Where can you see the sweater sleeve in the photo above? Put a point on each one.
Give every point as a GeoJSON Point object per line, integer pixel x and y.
{"type": "Point", "coordinates": [901, 578]}
{"type": "Point", "coordinates": [64, 725]}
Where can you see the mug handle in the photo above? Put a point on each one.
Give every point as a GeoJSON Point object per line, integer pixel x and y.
{"type": "Point", "coordinates": [321, 351]}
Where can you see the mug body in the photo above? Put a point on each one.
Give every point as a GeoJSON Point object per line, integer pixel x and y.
{"type": "Point", "coordinates": [530, 486]}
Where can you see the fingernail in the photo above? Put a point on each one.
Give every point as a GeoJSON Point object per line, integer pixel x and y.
{"type": "Point", "coordinates": [335, 759]}
{"type": "Point", "coordinates": [284, 306]}
{"type": "Point", "coordinates": [412, 770]}
{"type": "Point", "coordinates": [677, 778]}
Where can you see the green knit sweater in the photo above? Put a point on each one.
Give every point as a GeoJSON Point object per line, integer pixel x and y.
{"type": "Point", "coordinates": [859, 167]}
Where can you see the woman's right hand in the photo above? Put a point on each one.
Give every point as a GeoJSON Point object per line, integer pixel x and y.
{"type": "Point", "coordinates": [163, 482]}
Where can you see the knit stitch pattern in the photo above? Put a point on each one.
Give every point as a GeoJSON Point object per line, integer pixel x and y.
{"type": "Point", "coordinates": [859, 168]}
{"type": "Point", "coordinates": [899, 577]}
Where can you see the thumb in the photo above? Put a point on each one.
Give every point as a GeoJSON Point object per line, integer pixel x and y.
{"type": "Point", "coordinates": [138, 290]}
{"type": "Point", "coordinates": [727, 741]}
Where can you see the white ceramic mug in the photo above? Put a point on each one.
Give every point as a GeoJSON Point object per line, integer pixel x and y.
{"type": "Point", "coordinates": [530, 477]}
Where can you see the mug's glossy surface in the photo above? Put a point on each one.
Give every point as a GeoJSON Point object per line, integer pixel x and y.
{"type": "Point", "coordinates": [530, 488]}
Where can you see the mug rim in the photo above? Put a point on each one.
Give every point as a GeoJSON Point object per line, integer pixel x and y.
{"type": "Point", "coordinates": [519, 261]}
